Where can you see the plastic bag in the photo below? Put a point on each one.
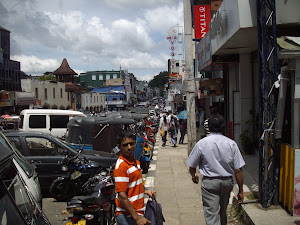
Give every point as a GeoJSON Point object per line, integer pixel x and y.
{"type": "Point", "coordinates": [162, 132]}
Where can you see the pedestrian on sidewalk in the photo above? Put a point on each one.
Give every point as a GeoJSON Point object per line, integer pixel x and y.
{"type": "Point", "coordinates": [163, 124]}
{"type": "Point", "coordinates": [173, 129]}
{"type": "Point", "coordinates": [212, 110]}
{"type": "Point", "coordinates": [129, 183]}
{"type": "Point", "coordinates": [218, 158]}
{"type": "Point", "coordinates": [182, 128]}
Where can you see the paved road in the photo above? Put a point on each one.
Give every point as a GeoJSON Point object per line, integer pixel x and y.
{"type": "Point", "coordinates": [53, 210]}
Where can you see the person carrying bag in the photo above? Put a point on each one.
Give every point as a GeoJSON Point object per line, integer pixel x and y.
{"type": "Point", "coordinates": [153, 212]}
{"type": "Point", "coordinates": [162, 132]}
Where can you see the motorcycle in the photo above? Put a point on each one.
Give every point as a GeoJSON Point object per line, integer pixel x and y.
{"type": "Point", "coordinates": [97, 208]}
{"type": "Point", "coordinates": [79, 171]}
{"type": "Point", "coordinates": [139, 153]}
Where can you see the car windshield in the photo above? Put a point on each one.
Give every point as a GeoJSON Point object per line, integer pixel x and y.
{"type": "Point", "coordinates": [26, 166]}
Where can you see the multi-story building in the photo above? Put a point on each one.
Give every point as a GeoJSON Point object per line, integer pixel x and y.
{"type": "Point", "coordinates": [9, 70]}
{"type": "Point", "coordinates": [115, 97]}
{"type": "Point", "coordinates": [93, 101]}
{"type": "Point", "coordinates": [95, 79]}
{"type": "Point", "coordinates": [12, 100]}
{"type": "Point", "coordinates": [229, 57]}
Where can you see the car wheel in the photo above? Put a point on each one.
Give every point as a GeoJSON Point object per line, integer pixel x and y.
{"type": "Point", "coordinates": [62, 190]}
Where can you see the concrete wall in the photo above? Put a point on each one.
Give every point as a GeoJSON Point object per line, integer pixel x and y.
{"type": "Point", "coordinates": [233, 15]}
{"type": "Point", "coordinates": [287, 11]}
{"type": "Point", "coordinates": [112, 82]}
{"type": "Point", "coordinates": [245, 83]}
{"type": "Point", "coordinates": [234, 101]}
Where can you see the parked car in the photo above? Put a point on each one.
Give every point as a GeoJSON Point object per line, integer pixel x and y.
{"type": "Point", "coordinates": [25, 169]}
{"type": "Point", "coordinates": [46, 152]}
{"type": "Point", "coordinates": [17, 204]}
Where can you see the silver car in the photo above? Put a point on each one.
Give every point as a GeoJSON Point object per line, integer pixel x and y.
{"type": "Point", "coordinates": [26, 170]}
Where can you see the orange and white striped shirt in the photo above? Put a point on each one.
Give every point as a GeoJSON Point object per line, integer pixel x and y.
{"type": "Point", "coordinates": [128, 178]}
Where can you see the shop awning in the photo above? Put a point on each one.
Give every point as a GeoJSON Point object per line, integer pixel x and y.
{"type": "Point", "coordinates": [24, 98]}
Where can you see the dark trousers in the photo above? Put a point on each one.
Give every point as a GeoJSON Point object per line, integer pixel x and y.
{"type": "Point", "coordinates": [164, 138]}
{"type": "Point", "coordinates": [182, 133]}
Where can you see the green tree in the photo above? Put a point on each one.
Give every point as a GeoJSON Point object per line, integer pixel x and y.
{"type": "Point", "coordinates": [47, 76]}
{"type": "Point", "coordinates": [159, 81]}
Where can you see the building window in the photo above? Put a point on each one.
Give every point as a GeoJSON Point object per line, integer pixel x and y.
{"type": "Point", "coordinates": [107, 77]}
{"type": "Point", "coordinates": [101, 77]}
{"type": "Point", "coordinates": [36, 93]}
{"type": "Point", "coordinates": [46, 94]}
{"type": "Point", "coordinates": [91, 98]}
{"type": "Point", "coordinates": [93, 77]}
{"type": "Point", "coordinates": [53, 92]}
{"type": "Point", "coordinates": [97, 98]}
{"type": "Point", "coordinates": [94, 99]}
{"type": "Point", "coordinates": [61, 93]}
{"type": "Point", "coordinates": [114, 99]}
{"type": "Point", "coordinates": [115, 76]}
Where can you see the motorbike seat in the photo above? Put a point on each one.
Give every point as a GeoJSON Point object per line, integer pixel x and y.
{"type": "Point", "coordinates": [74, 201]}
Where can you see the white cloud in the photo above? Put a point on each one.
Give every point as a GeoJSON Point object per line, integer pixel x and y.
{"type": "Point", "coordinates": [162, 18]}
{"type": "Point", "coordinates": [92, 35]}
{"type": "Point", "coordinates": [34, 65]}
{"type": "Point", "coordinates": [146, 77]}
{"type": "Point", "coordinates": [138, 60]}
{"type": "Point", "coordinates": [133, 4]}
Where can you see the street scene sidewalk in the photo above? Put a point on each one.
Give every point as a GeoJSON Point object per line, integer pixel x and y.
{"type": "Point", "coordinates": [179, 196]}
{"type": "Point", "coordinates": [181, 199]}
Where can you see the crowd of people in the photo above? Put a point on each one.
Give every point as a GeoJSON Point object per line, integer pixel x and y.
{"type": "Point", "coordinates": [169, 126]}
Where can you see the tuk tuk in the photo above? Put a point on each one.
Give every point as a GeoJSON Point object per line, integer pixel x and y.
{"type": "Point", "coordinates": [96, 133]}
{"type": "Point", "coordinates": [99, 133]}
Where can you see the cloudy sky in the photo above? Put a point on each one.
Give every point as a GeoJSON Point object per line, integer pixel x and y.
{"type": "Point", "coordinates": [91, 34]}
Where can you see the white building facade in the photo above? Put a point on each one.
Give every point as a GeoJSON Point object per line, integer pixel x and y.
{"type": "Point", "coordinates": [48, 94]}
{"type": "Point", "coordinates": [93, 101]}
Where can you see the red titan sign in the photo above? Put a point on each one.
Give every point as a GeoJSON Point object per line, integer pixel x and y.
{"type": "Point", "coordinates": [202, 20]}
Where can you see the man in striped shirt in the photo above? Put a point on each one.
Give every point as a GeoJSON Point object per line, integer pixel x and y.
{"type": "Point", "coordinates": [212, 110]}
{"type": "Point", "coordinates": [129, 183]}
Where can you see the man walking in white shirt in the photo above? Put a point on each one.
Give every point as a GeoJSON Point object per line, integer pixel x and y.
{"type": "Point", "coordinates": [218, 158]}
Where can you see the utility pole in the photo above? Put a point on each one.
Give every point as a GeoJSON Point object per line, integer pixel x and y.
{"type": "Point", "coordinates": [189, 68]}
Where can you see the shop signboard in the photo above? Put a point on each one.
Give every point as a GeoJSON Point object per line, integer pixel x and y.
{"type": "Point", "coordinates": [211, 87]}
{"type": "Point", "coordinates": [6, 98]}
{"type": "Point", "coordinates": [204, 52]}
{"type": "Point", "coordinates": [175, 76]}
{"type": "Point", "coordinates": [202, 18]}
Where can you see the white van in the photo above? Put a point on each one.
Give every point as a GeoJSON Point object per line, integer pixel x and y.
{"type": "Point", "coordinates": [51, 121]}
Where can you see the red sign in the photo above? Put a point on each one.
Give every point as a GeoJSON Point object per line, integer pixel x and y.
{"type": "Point", "coordinates": [202, 19]}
